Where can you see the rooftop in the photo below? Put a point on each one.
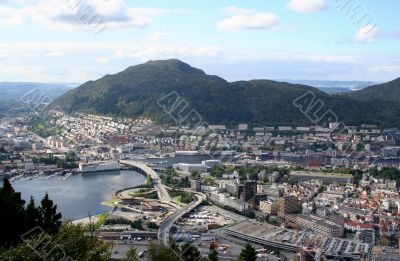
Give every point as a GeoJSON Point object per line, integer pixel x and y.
{"type": "Point", "coordinates": [320, 174]}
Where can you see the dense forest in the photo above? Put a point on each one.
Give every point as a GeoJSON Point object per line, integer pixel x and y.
{"type": "Point", "coordinates": [152, 88]}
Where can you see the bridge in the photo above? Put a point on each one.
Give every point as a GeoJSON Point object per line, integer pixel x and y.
{"type": "Point", "coordinates": [162, 192]}
{"type": "Point", "coordinates": [165, 227]}
{"type": "Point", "coordinates": [160, 188]}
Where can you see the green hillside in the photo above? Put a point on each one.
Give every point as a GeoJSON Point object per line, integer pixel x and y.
{"type": "Point", "coordinates": [389, 91]}
{"type": "Point", "coordinates": [135, 91]}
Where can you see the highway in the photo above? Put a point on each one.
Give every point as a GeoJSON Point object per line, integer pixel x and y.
{"type": "Point", "coordinates": [161, 189]}
{"type": "Point", "coordinates": [165, 227]}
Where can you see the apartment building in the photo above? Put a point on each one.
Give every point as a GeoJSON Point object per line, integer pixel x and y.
{"type": "Point", "coordinates": [288, 205]}
{"type": "Point", "coordinates": [326, 178]}
{"type": "Point", "coordinates": [269, 206]}
{"type": "Point", "coordinates": [320, 225]}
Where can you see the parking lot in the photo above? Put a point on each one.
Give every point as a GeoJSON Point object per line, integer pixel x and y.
{"type": "Point", "coordinates": [206, 218]}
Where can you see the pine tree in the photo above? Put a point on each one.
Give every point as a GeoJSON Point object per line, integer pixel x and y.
{"type": "Point", "coordinates": [32, 215]}
{"type": "Point", "coordinates": [190, 252]}
{"type": "Point", "coordinates": [71, 241]}
{"type": "Point", "coordinates": [12, 215]}
{"type": "Point", "coordinates": [51, 220]}
{"type": "Point", "coordinates": [131, 255]}
{"type": "Point", "coordinates": [213, 255]}
{"type": "Point", "coordinates": [160, 252]}
{"type": "Point", "coordinates": [248, 253]}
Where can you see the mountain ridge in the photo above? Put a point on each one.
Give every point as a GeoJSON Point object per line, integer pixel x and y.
{"type": "Point", "coordinates": [135, 91]}
{"type": "Point", "coordinates": [389, 91]}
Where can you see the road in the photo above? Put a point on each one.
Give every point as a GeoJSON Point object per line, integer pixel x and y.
{"type": "Point", "coordinates": [162, 192]}
{"type": "Point", "coordinates": [165, 227]}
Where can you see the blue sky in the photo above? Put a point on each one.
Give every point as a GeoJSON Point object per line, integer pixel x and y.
{"type": "Point", "coordinates": [61, 41]}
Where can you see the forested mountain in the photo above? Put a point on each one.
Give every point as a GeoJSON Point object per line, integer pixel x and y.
{"type": "Point", "coordinates": [389, 91]}
{"type": "Point", "coordinates": [136, 90]}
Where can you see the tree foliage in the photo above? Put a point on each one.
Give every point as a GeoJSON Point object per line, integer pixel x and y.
{"type": "Point", "coordinates": [248, 253]}
{"type": "Point", "coordinates": [131, 255]}
{"type": "Point", "coordinates": [189, 252]}
{"type": "Point", "coordinates": [16, 219]}
{"type": "Point", "coordinates": [160, 252]}
{"type": "Point", "coordinates": [138, 90]}
{"type": "Point", "coordinates": [35, 232]}
{"type": "Point", "coordinates": [70, 241]}
{"type": "Point", "coordinates": [213, 255]}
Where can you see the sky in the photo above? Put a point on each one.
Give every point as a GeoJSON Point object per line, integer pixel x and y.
{"type": "Point", "coordinates": [81, 40]}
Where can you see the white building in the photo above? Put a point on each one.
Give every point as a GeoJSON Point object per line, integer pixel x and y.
{"type": "Point", "coordinates": [243, 127]}
{"type": "Point", "coordinates": [187, 167]}
{"type": "Point", "coordinates": [211, 163]}
{"type": "Point", "coordinates": [226, 200]}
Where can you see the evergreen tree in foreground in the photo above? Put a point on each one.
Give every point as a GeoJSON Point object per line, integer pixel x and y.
{"type": "Point", "coordinates": [131, 255]}
{"type": "Point", "coordinates": [16, 219]}
{"type": "Point", "coordinates": [213, 255]}
{"type": "Point", "coordinates": [12, 215]}
{"type": "Point", "coordinates": [51, 220]}
{"type": "Point", "coordinates": [248, 253]}
{"type": "Point", "coordinates": [190, 252]}
{"type": "Point", "coordinates": [160, 252]}
{"type": "Point", "coordinates": [32, 215]}
{"type": "Point", "coordinates": [70, 243]}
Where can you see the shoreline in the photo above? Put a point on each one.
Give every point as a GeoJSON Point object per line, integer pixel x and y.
{"type": "Point", "coordinates": [86, 220]}
{"type": "Point", "coordinates": [91, 220]}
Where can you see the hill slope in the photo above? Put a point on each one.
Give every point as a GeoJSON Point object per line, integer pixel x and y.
{"type": "Point", "coordinates": [389, 91]}
{"type": "Point", "coordinates": [13, 93]}
{"type": "Point", "coordinates": [135, 91]}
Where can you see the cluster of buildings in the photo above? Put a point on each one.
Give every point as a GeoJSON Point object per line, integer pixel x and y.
{"type": "Point", "coordinates": [304, 243]}
{"type": "Point", "coordinates": [315, 206]}
{"type": "Point", "coordinates": [310, 147]}
{"type": "Point", "coordinates": [347, 219]}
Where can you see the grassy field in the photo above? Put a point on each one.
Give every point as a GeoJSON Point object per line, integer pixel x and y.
{"type": "Point", "coordinates": [110, 203]}
{"type": "Point", "coordinates": [100, 220]}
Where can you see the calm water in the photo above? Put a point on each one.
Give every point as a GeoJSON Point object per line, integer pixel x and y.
{"type": "Point", "coordinates": [80, 194]}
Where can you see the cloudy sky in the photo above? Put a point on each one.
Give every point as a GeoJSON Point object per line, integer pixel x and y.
{"type": "Point", "coordinates": [80, 40]}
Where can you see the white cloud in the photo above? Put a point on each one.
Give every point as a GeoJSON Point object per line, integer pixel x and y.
{"type": "Point", "coordinates": [367, 34]}
{"type": "Point", "coordinates": [73, 15]}
{"type": "Point", "coordinates": [389, 69]}
{"type": "Point", "coordinates": [84, 61]}
{"type": "Point", "coordinates": [10, 17]}
{"type": "Point", "coordinates": [80, 62]}
{"type": "Point", "coordinates": [156, 36]}
{"type": "Point", "coordinates": [307, 6]}
{"type": "Point", "coordinates": [246, 19]}
{"type": "Point", "coordinates": [55, 54]}
{"type": "Point", "coordinates": [102, 60]}
{"type": "Point", "coordinates": [234, 10]}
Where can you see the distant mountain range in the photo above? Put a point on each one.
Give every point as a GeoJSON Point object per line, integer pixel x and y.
{"type": "Point", "coordinates": [333, 87]}
{"type": "Point", "coordinates": [136, 90]}
{"type": "Point", "coordinates": [12, 93]}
